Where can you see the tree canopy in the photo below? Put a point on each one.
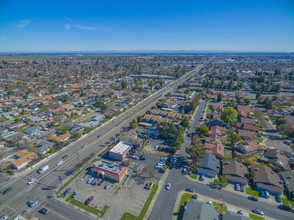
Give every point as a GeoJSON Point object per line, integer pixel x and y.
{"type": "Point", "coordinates": [229, 116]}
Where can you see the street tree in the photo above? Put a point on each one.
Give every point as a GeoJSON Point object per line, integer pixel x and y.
{"type": "Point", "coordinates": [229, 116]}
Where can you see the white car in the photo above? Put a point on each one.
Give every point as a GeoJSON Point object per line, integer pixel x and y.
{"type": "Point", "coordinates": [209, 202]}
{"type": "Point", "coordinates": [31, 181]}
{"type": "Point", "coordinates": [59, 162]}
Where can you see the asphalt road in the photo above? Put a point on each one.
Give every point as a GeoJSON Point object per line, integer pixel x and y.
{"type": "Point", "coordinates": [14, 202]}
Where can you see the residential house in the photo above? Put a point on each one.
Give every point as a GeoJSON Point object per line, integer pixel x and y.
{"type": "Point", "coordinates": [208, 166]}
{"type": "Point", "coordinates": [76, 128]}
{"type": "Point", "coordinates": [2, 144]}
{"type": "Point", "coordinates": [249, 127]}
{"type": "Point", "coordinates": [33, 130]}
{"type": "Point", "coordinates": [243, 110]}
{"type": "Point", "coordinates": [34, 119]}
{"type": "Point", "coordinates": [275, 157]}
{"type": "Point", "coordinates": [214, 139]}
{"type": "Point", "coordinates": [24, 157]}
{"type": "Point", "coordinates": [267, 180]}
{"type": "Point", "coordinates": [218, 107]}
{"type": "Point", "coordinates": [15, 126]}
{"type": "Point", "coordinates": [3, 131]}
{"type": "Point", "coordinates": [288, 178]}
{"type": "Point", "coordinates": [248, 147]}
{"type": "Point", "coordinates": [196, 209]}
{"type": "Point", "coordinates": [98, 117]}
{"type": "Point", "coordinates": [63, 137]}
{"type": "Point", "coordinates": [245, 134]}
{"type": "Point", "coordinates": [235, 172]}
{"type": "Point", "coordinates": [217, 130]}
{"type": "Point", "coordinates": [247, 120]}
{"type": "Point", "coordinates": [217, 149]}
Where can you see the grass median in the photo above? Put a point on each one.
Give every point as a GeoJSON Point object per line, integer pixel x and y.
{"type": "Point", "coordinates": [128, 216]}
{"type": "Point", "coordinates": [185, 198]}
{"type": "Point", "coordinates": [89, 208]}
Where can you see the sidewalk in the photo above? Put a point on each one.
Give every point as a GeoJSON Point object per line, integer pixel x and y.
{"type": "Point", "coordinates": [204, 198]}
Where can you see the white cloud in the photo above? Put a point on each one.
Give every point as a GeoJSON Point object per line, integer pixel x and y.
{"type": "Point", "coordinates": [73, 24]}
{"type": "Point", "coordinates": [23, 23]}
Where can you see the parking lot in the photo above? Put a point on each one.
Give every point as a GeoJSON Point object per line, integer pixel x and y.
{"type": "Point", "coordinates": [127, 196]}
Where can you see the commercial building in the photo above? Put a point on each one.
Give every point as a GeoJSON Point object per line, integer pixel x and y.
{"type": "Point", "coordinates": [120, 150]}
{"type": "Point", "coordinates": [109, 170]}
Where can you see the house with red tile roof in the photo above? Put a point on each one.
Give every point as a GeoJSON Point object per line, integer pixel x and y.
{"type": "Point", "coordinates": [217, 149]}
{"type": "Point", "coordinates": [246, 126]}
{"type": "Point", "coordinates": [245, 134]}
{"type": "Point", "coordinates": [218, 130]}
{"type": "Point", "coordinates": [248, 147]}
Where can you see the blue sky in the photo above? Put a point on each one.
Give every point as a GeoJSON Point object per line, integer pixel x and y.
{"type": "Point", "coordinates": [238, 25]}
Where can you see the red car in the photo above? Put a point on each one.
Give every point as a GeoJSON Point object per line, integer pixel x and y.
{"type": "Point", "coordinates": [89, 200]}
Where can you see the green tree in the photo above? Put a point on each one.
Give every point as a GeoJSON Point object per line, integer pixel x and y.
{"type": "Point", "coordinates": [196, 152]}
{"type": "Point", "coordinates": [267, 103]}
{"type": "Point", "coordinates": [229, 116]}
{"type": "Point", "coordinates": [133, 124]}
{"type": "Point", "coordinates": [247, 101]}
{"type": "Point", "coordinates": [139, 118]}
{"type": "Point", "coordinates": [185, 122]}
{"type": "Point", "coordinates": [202, 131]}
{"type": "Point", "coordinates": [124, 84]}
{"type": "Point", "coordinates": [219, 97]}
{"type": "Point", "coordinates": [77, 135]}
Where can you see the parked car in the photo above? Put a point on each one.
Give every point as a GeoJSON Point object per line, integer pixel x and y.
{"type": "Point", "coordinates": [106, 186]}
{"type": "Point", "coordinates": [237, 187]}
{"type": "Point", "coordinates": [75, 194]}
{"type": "Point", "coordinates": [201, 178]}
{"type": "Point", "coordinates": [194, 196]}
{"type": "Point", "coordinates": [89, 200]}
{"type": "Point", "coordinates": [253, 198]}
{"type": "Point", "coordinates": [7, 190]}
{"type": "Point", "coordinates": [278, 198]}
{"type": "Point", "coordinates": [184, 171]}
{"type": "Point", "coordinates": [67, 191]}
{"type": "Point", "coordinates": [189, 190]}
{"type": "Point", "coordinates": [209, 202]}
{"type": "Point", "coordinates": [31, 181]}
{"type": "Point", "coordinates": [285, 207]}
{"type": "Point", "coordinates": [240, 212]}
{"type": "Point", "coordinates": [167, 186]}
{"type": "Point", "coordinates": [31, 203]}
{"type": "Point", "coordinates": [43, 211]}
{"type": "Point", "coordinates": [5, 217]}
{"type": "Point", "coordinates": [142, 157]}
{"type": "Point", "coordinates": [242, 188]}
{"type": "Point", "coordinates": [257, 211]}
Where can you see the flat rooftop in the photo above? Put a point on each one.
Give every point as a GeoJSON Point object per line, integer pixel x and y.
{"type": "Point", "coordinates": [120, 147]}
{"type": "Point", "coordinates": [110, 167]}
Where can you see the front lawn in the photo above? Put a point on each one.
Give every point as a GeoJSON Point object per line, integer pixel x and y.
{"type": "Point", "coordinates": [193, 176]}
{"type": "Point", "coordinates": [252, 192]}
{"type": "Point", "coordinates": [220, 208]}
{"type": "Point", "coordinates": [256, 217]}
{"type": "Point", "coordinates": [185, 198]}
{"type": "Point", "coordinates": [285, 201]}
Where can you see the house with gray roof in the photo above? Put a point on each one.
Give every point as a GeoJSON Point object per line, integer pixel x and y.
{"type": "Point", "coordinates": [288, 178]}
{"type": "Point", "coordinates": [76, 128]}
{"type": "Point", "coordinates": [235, 172]}
{"type": "Point", "coordinates": [209, 166]}
{"type": "Point", "coordinates": [198, 210]}
{"type": "Point", "coordinates": [267, 180]}
{"type": "Point", "coordinates": [98, 117]}
{"type": "Point", "coordinates": [33, 130]}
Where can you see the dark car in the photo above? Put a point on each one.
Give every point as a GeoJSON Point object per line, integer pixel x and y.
{"type": "Point", "coordinates": [278, 198]}
{"type": "Point", "coordinates": [64, 156]}
{"type": "Point", "coordinates": [100, 183]}
{"type": "Point", "coordinates": [194, 196]}
{"type": "Point", "coordinates": [7, 190]}
{"type": "Point", "coordinates": [142, 157]}
{"type": "Point", "coordinates": [67, 191]}
{"type": "Point", "coordinates": [89, 200]}
{"type": "Point", "coordinates": [253, 198]}
{"type": "Point", "coordinates": [285, 207]}
{"type": "Point", "coordinates": [43, 211]}
{"type": "Point", "coordinates": [189, 190]}
{"type": "Point", "coordinates": [201, 178]}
